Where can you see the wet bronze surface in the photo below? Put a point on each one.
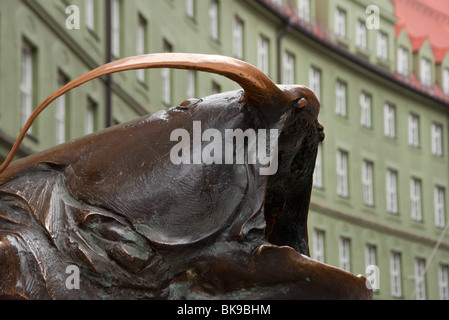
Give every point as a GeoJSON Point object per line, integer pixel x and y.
{"type": "Point", "coordinates": [138, 226]}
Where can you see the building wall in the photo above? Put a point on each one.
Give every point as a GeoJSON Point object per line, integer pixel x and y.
{"type": "Point", "coordinates": [74, 52]}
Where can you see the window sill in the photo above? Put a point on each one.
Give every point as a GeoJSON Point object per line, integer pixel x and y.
{"type": "Point", "coordinates": [364, 52]}
{"type": "Point", "coordinates": [143, 84]}
{"type": "Point", "coordinates": [396, 217]}
{"type": "Point", "coordinates": [342, 41]}
{"type": "Point", "coordinates": [93, 34]}
{"type": "Point", "coordinates": [391, 140]}
{"type": "Point", "coordinates": [384, 63]}
{"type": "Point", "coordinates": [32, 137]}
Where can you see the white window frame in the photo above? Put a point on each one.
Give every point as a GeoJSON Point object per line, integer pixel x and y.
{"type": "Point", "coordinates": [413, 130]}
{"type": "Point", "coordinates": [365, 110]}
{"type": "Point", "coordinates": [367, 183]}
{"type": "Point", "coordinates": [425, 72]}
{"type": "Point", "coordinates": [392, 191]}
{"type": "Point", "coordinates": [141, 44]}
{"type": "Point", "coordinates": [415, 199]}
{"type": "Point", "coordinates": [318, 173]}
{"type": "Point", "coordinates": [304, 10]}
{"type": "Point", "coordinates": [115, 28]}
{"type": "Point", "coordinates": [190, 8]}
{"type": "Point", "coordinates": [263, 54]}
{"type": "Point", "coordinates": [315, 81]}
{"type": "Point", "coordinates": [318, 245]}
{"type": "Point", "coordinates": [403, 61]}
{"type": "Point", "coordinates": [370, 255]}
{"type": "Point", "coordinates": [342, 174]}
{"type": "Point", "coordinates": [213, 19]}
{"type": "Point", "coordinates": [341, 98]}
{"type": "Point", "coordinates": [382, 45]}
{"type": "Point", "coordinates": [90, 14]}
{"type": "Point", "coordinates": [395, 274]}
{"type": "Point", "coordinates": [166, 77]}
{"type": "Point", "coordinates": [437, 139]}
{"type": "Point", "coordinates": [390, 120]}
{"type": "Point", "coordinates": [345, 254]}
{"type": "Point", "coordinates": [361, 35]}
{"type": "Point", "coordinates": [439, 206]}
{"type": "Point", "coordinates": [26, 83]}
{"type": "Point", "coordinates": [237, 37]}
{"type": "Point", "coordinates": [90, 116]}
{"type": "Point", "coordinates": [191, 84]}
{"type": "Point", "coordinates": [443, 281]}
{"type": "Point", "coordinates": [340, 23]}
{"type": "Point", "coordinates": [446, 81]}
{"type": "Point", "coordinates": [60, 114]}
{"type": "Point", "coordinates": [289, 68]}
{"type": "Point", "coordinates": [420, 279]}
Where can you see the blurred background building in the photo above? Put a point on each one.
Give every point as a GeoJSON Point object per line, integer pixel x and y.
{"type": "Point", "coordinates": [380, 69]}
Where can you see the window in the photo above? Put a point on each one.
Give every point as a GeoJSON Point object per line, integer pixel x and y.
{"type": "Point", "coordinates": [318, 173]}
{"type": "Point", "coordinates": [263, 61]}
{"type": "Point", "coordinates": [91, 116]}
{"type": "Point", "coordinates": [360, 35]}
{"type": "Point", "coordinates": [342, 174]}
{"type": "Point", "coordinates": [367, 183]}
{"type": "Point", "coordinates": [365, 110]}
{"type": "Point", "coordinates": [345, 254]}
{"type": "Point", "coordinates": [90, 14]}
{"type": "Point", "coordinates": [395, 274]}
{"type": "Point", "coordinates": [446, 81]}
{"type": "Point", "coordinates": [413, 130]}
{"type": "Point", "coordinates": [304, 10]}
{"type": "Point", "coordinates": [340, 98]}
{"type": "Point", "coordinates": [190, 8]}
{"type": "Point", "coordinates": [389, 121]}
{"type": "Point", "coordinates": [402, 61]}
{"type": "Point", "coordinates": [27, 82]}
{"type": "Point", "coordinates": [191, 84]}
{"type": "Point", "coordinates": [289, 68]}
{"type": "Point", "coordinates": [213, 19]}
{"type": "Point", "coordinates": [115, 28]}
{"type": "Point", "coordinates": [420, 280]}
{"type": "Point", "coordinates": [392, 191]}
{"type": "Point", "coordinates": [166, 78]}
{"type": "Point", "coordinates": [141, 44]}
{"type": "Point", "coordinates": [415, 199]}
{"type": "Point", "coordinates": [382, 45]}
{"type": "Point", "coordinates": [340, 23]}
{"type": "Point", "coordinates": [216, 88]}
{"type": "Point", "coordinates": [443, 281]}
{"type": "Point", "coordinates": [315, 81]}
{"type": "Point", "coordinates": [439, 207]}
{"type": "Point", "coordinates": [237, 36]}
{"type": "Point", "coordinates": [426, 72]}
{"type": "Point", "coordinates": [61, 108]}
{"type": "Point", "coordinates": [318, 245]}
{"type": "Point", "coordinates": [370, 255]}
{"type": "Point", "coordinates": [437, 139]}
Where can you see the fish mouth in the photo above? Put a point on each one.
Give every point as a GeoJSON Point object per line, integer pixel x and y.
{"type": "Point", "coordinates": [288, 193]}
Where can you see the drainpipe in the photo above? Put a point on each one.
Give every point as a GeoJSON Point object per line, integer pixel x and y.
{"type": "Point", "coordinates": [285, 31]}
{"type": "Point", "coordinates": [108, 40]}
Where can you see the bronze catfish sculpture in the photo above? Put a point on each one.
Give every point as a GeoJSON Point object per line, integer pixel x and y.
{"type": "Point", "coordinates": [138, 226]}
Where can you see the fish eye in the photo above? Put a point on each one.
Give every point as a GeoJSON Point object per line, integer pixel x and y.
{"type": "Point", "coordinates": [300, 103]}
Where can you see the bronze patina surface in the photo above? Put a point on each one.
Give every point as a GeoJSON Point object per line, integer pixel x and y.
{"type": "Point", "coordinates": [138, 226]}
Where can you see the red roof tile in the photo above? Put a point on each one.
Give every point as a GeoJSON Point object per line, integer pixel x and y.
{"type": "Point", "coordinates": [425, 19]}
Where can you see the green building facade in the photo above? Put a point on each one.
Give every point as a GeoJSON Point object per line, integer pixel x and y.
{"type": "Point", "coordinates": [381, 186]}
